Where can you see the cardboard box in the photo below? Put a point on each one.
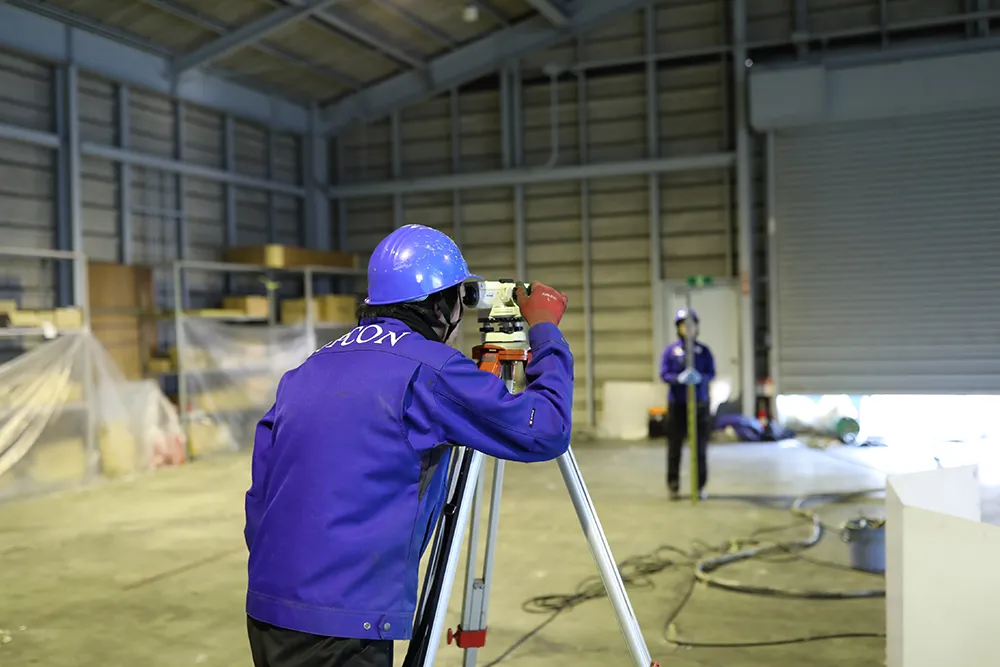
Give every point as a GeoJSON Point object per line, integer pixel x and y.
{"type": "Point", "coordinates": [119, 454]}
{"type": "Point", "coordinates": [215, 312]}
{"type": "Point", "coordinates": [8, 305]}
{"type": "Point", "coordinates": [251, 306]}
{"type": "Point", "coordinates": [161, 365]}
{"type": "Point", "coordinates": [68, 318]}
{"type": "Point", "coordinates": [22, 319]}
{"type": "Point", "coordinates": [338, 308]}
{"type": "Point", "coordinates": [62, 460]}
{"type": "Point", "coordinates": [279, 257]}
{"type": "Point", "coordinates": [293, 311]}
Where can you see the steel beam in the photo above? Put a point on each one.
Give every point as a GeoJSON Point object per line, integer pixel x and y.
{"type": "Point", "coordinates": [415, 21]}
{"type": "Point", "coordinates": [552, 13]}
{"type": "Point", "coordinates": [744, 217]}
{"type": "Point", "coordinates": [247, 35]}
{"type": "Point", "coordinates": [46, 39]}
{"type": "Point", "coordinates": [655, 203]}
{"type": "Point", "coordinates": [148, 161]}
{"type": "Point", "coordinates": [368, 35]}
{"type": "Point", "coordinates": [510, 177]}
{"type": "Point", "coordinates": [181, 11]}
{"type": "Point", "coordinates": [180, 200]}
{"type": "Point", "coordinates": [124, 177]}
{"type": "Point", "coordinates": [773, 306]}
{"type": "Point", "coordinates": [470, 62]}
{"type": "Point", "coordinates": [341, 149]}
{"type": "Point", "coordinates": [26, 136]}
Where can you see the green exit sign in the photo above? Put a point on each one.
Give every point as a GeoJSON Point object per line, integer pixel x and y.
{"type": "Point", "coordinates": [699, 281]}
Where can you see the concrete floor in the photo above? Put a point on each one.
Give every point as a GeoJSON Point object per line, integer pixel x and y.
{"type": "Point", "coordinates": [151, 572]}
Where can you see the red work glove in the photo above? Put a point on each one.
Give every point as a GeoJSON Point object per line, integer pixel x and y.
{"type": "Point", "coordinates": [543, 305]}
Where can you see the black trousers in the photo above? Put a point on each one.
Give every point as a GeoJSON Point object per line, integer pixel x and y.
{"type": "Point", "coordinates": [272, 646]}
{"type": "Point", "coordinates": [677, 424]}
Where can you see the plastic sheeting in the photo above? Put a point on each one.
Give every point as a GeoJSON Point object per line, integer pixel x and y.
{"type": "Point", "coordinates": [231, 373]}
{"type": "Point", "coordinates": [68, 415]}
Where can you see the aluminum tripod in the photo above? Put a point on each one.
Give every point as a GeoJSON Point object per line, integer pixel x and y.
{"type": "Point", "coordinates": [465, 495]}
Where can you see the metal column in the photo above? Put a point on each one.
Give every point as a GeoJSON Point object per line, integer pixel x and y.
{"type": "Point", "coordinates": [456, 166]}
{"type": "Point", "coordinates": [341, 203]}
{"type": "Point", "coordinates": [517, 130]}
{"type": "Point", "coordinates": [182, 226]}
{"type": "Point", "coordinates": [397, 167]}
{"type": "Point", "coordinates": [655, 205]}
{"type": "Point", "coordinates": [744, 208]}
{"type": "Point", "coordinates": [772, 266]}
{"type": "Point", "coordinates": [229, 190]}
{"type": "Point", "coordinates": [272, 200]}
{"type": "Point", "coordinates": [316, 174]}
{"type": "Point", "coordinates": [125, 253]}
{"type": "Point", "coordinates": [585, 239]}
{"type": "Point", "coordinates": [69, 221]}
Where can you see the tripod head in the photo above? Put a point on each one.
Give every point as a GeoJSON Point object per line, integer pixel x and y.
{"type": "Point", "coordinates": [499, 316]}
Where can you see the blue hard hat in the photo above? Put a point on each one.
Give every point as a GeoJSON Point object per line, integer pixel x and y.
{"type": "Point", "coordinates": [682, 315]}
{"type": "Point", "coordinates": [412, 263]}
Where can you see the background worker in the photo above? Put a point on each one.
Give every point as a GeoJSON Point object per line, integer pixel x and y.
{"type": "Point", "coordinates": [674, 371]}
{"type": "Point", "coordinates": [350, 463]}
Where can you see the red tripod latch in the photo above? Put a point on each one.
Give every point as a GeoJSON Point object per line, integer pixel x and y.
{"type": "Point", "coordinates": [467, 638]}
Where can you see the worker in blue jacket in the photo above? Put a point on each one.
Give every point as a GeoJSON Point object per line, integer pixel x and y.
{"type": "Point", "coordinates": [350, 463]}
{"type": "Point", "coordinates": [674, 371]}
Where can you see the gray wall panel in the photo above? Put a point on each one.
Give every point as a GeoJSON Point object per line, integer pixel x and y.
{"type": "Point", "coordinates": [26, 93]}
{"type": "Point", "coordinates": [152, 123]}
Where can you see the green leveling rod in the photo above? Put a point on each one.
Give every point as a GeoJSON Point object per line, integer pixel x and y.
{"type": "Point", "coordinates": [692, 406]}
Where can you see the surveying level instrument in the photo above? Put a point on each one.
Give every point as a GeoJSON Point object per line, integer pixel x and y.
{"type": "Point", "coordinates": [504, 352]}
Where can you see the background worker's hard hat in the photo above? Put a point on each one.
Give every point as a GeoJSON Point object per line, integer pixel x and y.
{"type": "Point", "coordinates": [412, 263]}
{"type": "Point", "coordinates": [682, 316]}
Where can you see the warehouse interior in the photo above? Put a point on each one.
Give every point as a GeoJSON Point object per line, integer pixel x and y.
{"type": "Point", "coordinates": [190, 192]}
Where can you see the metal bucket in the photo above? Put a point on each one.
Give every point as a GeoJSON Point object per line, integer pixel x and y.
{"type": "Point", "coordinates": [866, 538]}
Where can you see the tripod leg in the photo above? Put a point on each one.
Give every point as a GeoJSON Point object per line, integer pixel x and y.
{"type": "Point", "coordinates": [473, 585]}
{"type": "Point", "coordinates": [429, 637]}
{"type": "Point", "coordinates": [606, 564]}
{"type": "Point", "coordinates": [478, 594]}
{"type": "Point", "coordinates": [433, 564]}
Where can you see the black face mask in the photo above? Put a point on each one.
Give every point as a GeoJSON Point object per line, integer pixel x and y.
{"type": "Point", "coordinates": [421, 317]}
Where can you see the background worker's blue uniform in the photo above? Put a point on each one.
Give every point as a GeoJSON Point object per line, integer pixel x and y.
{"type": "Point", "coordinates": [350, 468]}
{"type": "Point", "coordinates": [673, 365]}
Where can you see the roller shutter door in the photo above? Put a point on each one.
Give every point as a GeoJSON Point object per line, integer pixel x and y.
{"type": "Point", "coordinates": [888, 256]}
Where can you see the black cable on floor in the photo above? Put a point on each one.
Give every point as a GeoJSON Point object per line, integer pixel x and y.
{"type": "Point", "coordinates": [636, 572]}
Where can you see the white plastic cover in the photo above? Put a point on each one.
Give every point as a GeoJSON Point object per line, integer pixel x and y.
{"type": "Point", "coordinates": [57, 428]}
{"type": "Point", "coordinates": [231, 373]}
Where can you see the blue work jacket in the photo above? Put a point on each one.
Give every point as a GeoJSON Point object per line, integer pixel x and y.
{"type": "Point", "coordinates": [673, 364]}
{"type": "Point", "coordinates": [350, 468]}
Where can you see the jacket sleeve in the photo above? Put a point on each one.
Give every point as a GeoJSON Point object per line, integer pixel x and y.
{"type": "Point", "coordinates": [669, 369]}
{"type": "Point", "coordinates": [477, 411]}
{"type": "Point", "coordinates": [708, 374]}
{"type": "Point", "coordinates": [255, 495]}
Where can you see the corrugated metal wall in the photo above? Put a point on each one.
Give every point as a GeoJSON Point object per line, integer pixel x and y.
{"type": "Point", "coordinates": [27, 181]}
{"type": "Point", "coordinates": [29, 97]}
{"type": "Point", "coordinates": [696, 219]}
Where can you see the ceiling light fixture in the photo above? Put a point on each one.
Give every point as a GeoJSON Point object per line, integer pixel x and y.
{"type": "Point", "coordinates": [471, 13]}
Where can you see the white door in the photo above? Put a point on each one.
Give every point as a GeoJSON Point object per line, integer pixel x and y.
{"type": "Point", "coordinates": [718, 308]}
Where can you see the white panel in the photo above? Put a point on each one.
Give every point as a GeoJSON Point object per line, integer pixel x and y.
{"type": "Point", "coordinates": [616, 118]}
{"type": "Point", "coordinates": [886, 256]}
{"type": "Point", "coordinates": [696, 225]}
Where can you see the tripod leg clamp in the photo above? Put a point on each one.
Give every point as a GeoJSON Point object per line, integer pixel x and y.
{"type": "Point", "coordinates": [467, 638]}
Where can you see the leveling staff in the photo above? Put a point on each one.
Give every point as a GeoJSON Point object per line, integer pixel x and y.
{"type": "Point", "coordinates": [350, 463]}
